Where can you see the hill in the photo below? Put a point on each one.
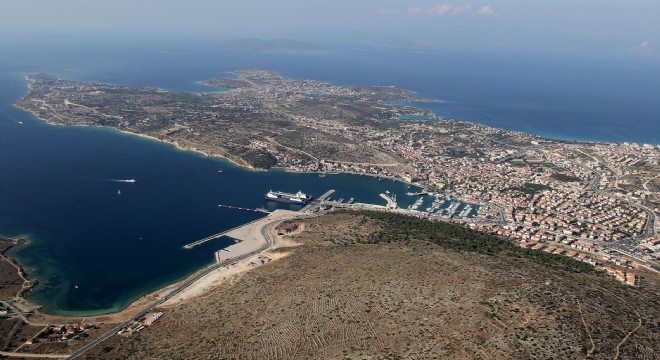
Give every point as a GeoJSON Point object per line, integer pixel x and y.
{"type": "Point", "coordinates": [382, 286]}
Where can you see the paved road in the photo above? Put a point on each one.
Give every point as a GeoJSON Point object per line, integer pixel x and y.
{"type": "Point", "coordinates": [649, 229]}
{"type": "Point", "coordinates": [31, 355]}
{"type": "Point", "coordinates": [268, 243]}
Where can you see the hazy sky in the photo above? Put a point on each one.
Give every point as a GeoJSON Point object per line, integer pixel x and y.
{"type": "Point", "coordinates": [608, 27]}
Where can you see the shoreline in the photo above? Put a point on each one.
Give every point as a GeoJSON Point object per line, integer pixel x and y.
{"type": "Point", "coordinates": [27, 283]}
{"type": "Point", "coordinates": [144, 299]}
{"type": "Point", "coordinates": [247, 241]}
{"type": "Point", "coordinates": [145, 136]}
{"type": "Point", "coordinates": [413, 100]}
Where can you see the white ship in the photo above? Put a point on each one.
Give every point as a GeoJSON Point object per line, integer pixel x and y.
{"type": "Point", "coordinates": [297, 198]}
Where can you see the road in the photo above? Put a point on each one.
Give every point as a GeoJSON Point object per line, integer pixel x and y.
{"type": "Point", "coordinates": [31, 355]}
{"type": "Point", "coordinates": [649, 229]}
{"type": "Point", "coordinates": [268, 243]}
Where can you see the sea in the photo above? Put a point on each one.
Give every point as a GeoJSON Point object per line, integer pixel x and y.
{"type": "Point", "coordinates": [96, 244]}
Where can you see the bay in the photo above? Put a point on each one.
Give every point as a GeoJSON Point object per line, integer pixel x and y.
{"type": "Point", "coordinates": [95, 251]}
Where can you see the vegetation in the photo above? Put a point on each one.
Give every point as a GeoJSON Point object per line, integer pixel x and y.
{"type": "Point", "coordinates": [260, 159]}
{"type": "Point", "coordinates": [335, 296]}
{"type": "Point", "coordinates": [397, 227]}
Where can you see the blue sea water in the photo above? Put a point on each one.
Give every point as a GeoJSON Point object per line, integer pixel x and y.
{"type": "Point", "coordinates": [55, 183]}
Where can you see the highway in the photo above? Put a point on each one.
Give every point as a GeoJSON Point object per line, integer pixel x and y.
{"type": "Point", "coordinates": [268, 243]}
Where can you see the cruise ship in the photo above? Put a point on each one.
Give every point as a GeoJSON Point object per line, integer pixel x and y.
{"type": "Point", "coordinates": [297, 198]}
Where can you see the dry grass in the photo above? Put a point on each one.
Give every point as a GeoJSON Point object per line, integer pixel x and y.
{"type": "Point", "coordinates": [335, 299]}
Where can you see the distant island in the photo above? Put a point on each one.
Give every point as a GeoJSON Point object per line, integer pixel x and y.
{"type": "Point", "coordinates": [270, 45]}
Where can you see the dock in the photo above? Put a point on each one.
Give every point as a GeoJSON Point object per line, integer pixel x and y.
{"type": "Point", "coordinates": [215, 236]}
{"type": "Point", "coordinates": [263, 211]}
{"type": "Point", "coordinates": [391, 201]}
{"type": "Point", "coordinates": [317, 201]}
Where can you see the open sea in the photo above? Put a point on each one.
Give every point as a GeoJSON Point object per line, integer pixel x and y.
{"type": "Point", "coordinates": [94, 251]}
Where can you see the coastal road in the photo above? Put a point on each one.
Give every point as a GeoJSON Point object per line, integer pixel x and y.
{"type": "Point", "coordinates": [31, 355]}
{"type": "Point", "coordinates": [268, 243]}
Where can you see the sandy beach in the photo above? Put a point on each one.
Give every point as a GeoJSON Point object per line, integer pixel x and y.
{"type": "Point", "coordinates": [249, 239]}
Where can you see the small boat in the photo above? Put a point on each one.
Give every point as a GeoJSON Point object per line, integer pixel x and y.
{"type": "Point", "coordinates": [118, 192]}
{"type": "Point", "coordinates": [220, 171]}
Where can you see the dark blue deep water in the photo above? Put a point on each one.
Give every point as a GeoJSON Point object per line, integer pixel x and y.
{"type": "Point", "coordinates": [55, 186]}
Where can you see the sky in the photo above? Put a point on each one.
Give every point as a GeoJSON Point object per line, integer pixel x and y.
{"type": "Point", "coordinates": [602, 27]}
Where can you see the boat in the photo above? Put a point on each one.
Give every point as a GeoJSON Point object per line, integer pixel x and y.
{"type": "Point", "coordinates": [297, 198]}
{"type": "Point", "coordinates": [118, 192]}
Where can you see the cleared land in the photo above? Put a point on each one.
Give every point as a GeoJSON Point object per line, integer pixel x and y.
{"type": "Point", "coordinates": [369, 286]}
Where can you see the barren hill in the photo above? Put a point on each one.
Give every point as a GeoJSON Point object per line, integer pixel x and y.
{"type": "Point", "coordinates": [359, 289]}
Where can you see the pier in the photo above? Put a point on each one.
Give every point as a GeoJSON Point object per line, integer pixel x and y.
{"type": "Point", "coordinates": [214, 236]}
{"type": "Point", "coordinates": [391, 201]}
{"type": "Point", "coordinates": [263, 211]}
{"type": "Point", "coordinates": [317, 201]}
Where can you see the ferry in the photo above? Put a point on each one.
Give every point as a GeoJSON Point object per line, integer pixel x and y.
{"type": "Point", "coordinates": [297, 198]}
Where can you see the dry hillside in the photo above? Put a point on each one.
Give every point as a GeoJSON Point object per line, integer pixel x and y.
{"type": "Point", "coordinates": [343, 296]}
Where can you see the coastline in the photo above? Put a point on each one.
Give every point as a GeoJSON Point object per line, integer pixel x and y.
{"type": "Point", "coordinates": [149, 137]}
{"type": "Point", "coordinates": [27, 283]}
{"type": "Point", "coordinates": [249, 240]}
{"type": "Point", "coordinates": [145, 299]}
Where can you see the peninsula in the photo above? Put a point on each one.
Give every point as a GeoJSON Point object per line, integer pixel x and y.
{"type": "Point", "coordinates": [592, 201]}
{"type": "Point", "coordinates": [568, 207]}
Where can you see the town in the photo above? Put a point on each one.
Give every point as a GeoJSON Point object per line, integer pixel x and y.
{"type": "Point", "coordinates": [596, 202]}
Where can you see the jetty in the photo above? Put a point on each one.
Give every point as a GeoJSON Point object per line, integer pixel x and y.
{"type": "Point", "coordinates": [215, 236]}
{"type": "Point", "coordinates": [391, 201]}
{"type": "Point", "coordinates": [314, 203]}
{"type": "Point", "coordinates": [263, 211]}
